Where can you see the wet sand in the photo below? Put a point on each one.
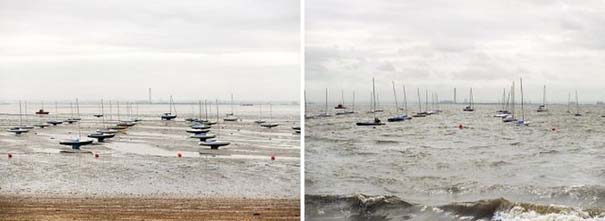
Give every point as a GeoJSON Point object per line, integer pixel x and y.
{"type": "Point", "coordinates": [138, 175]}
{"type": "Point", "coordinates": [45, 208]}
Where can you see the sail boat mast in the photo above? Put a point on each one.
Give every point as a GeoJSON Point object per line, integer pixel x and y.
{"type": "Point", "coordinates": [395, 94]}
{"type": "Point", "coordinates": [374, 98]}
{"type": "Point", "coordinates": [405, 100]}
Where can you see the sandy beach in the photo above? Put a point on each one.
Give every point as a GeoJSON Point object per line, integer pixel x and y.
{"type": "Point", "coordinates": [48, 208]}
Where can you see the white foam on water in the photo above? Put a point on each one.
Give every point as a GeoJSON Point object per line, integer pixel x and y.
{"type": "Point", "coordinates": [521, 214]}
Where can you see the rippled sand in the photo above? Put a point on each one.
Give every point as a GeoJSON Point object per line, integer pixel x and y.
{"type": "Point", "coordinates": [142, 160]}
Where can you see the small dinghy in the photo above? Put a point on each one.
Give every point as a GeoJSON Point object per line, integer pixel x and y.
{"type": "Point", "coordinates": [42, 112]}
{"type": "Point", "coordinates": [197, 131]}
{"type": "Point", "coordinates": [231, 118]}
{"type": "Point", "coordinates": [260, 121]}
{"type": "Point", "coordinates": [98, 115]}
{"type": "Point", "coordinates": [269, 125]}
{"type": "Point", "coordinates": [376, 122]}
{"type": "Point", "coordinates": [18, 130]}
{"type": "Point", "coordinates": [210, 122]}
{"type": "Point", "coordinates": [522, 123]}
{"type": "Point", "coordinates": [420, 114]}
{"type": "Point", "coordinates": [397, 118]}
{"type": "Point", "coordinates": [117, 127]}
{"type": "Point", "coordinates": [509, 118]}
{"type": "Point", "coordinates": [71, 120]}
{"type": "Point", "coordinates": [200, 126]}
{"type": "Point", "coordinates": [168, 116]}
{"type": "Point", "coordinates": [296, 129]}
{"type": "Point", "coordinates": [101, 136]}
{"type": "Point", "coordinates": [203, 136]}
{"type": "Point", "coordinates": [126, 123]}
{"type": "Point", "coordinates": [468, 108]}
{"type": "Point", "coordinates": [54, 122]}
{"type": "Point", "coordinates": [76, 143]}
{"type": "Point", "coordinates": [107, 131]}
{"type": "Point", "coordinates": [42, 125]}
{"type": "Point", "coordinates": [214, 144]}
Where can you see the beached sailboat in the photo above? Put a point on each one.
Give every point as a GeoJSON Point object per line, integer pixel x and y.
{"type": "Point", "coordinates": [503, 112]}
{"type": "Point", "coordinates": [41, 111]}
{"type": "Point", "coordinates": [19, 130]}
{"type": "Point", "coordinates": [72, 119]}
{"type": "Point", "coordinates": [102, 134]}
{"type": "Point", "coordinates": [124, 123]}
{"type": "Point", "coordinates": [76, 142]}
{"type": "Point", "coordinates": [270, 124]}
{"type": "Point", "coordinates": [214, 143]}
{"type": "Point", "coordinates": [542, 107]}
{"type": "Point", "coordinates": [55, 121]}
{"type": "Point", "coordinates": [471, 105]}
{"type": "Point", "coordinates": [375, 121]}
{"type": "Point", "coordinates": [169, 115]}
{"type": "Point", "coordinates": [260, 115]}
{"type": "Point", "coordinates": [398, 117]}
{"type": "Point", "coordinates": [231, 116]}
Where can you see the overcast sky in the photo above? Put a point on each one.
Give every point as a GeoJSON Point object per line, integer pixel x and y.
{"type": "Point", "coordinates": [439, 45]}
{"type": "Point", "coordinates": [118, 49]}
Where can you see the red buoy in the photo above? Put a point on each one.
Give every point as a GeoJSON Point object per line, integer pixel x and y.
{"type": "Point", "coordinates": [10, 155]}
{"type": "Point", "coordinates": [272, 157]}
{"type": "Point", "coordinates": [179, 154]}
{"type": "Point", "coordinates": [460, 126]}
{"type": "Point", "coordinates": [96, 155]}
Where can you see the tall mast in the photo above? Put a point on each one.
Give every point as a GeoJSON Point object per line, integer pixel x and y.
{"type": "Point", "coordinates": [102, 112]}
{"type": "Point", "coordinates": [522, 109]}
{"type": "Point", "coordinates": [426, 100]}
{"type": "Point", "coordinates": [342, 97]}
{"type": "Point", "coordinates": [56, 110]}
{"type": "Point", "coordinates": [232, 113]}
{"type": "Point", "coordinates": [419, 102]}
{"type": "Point", "coordinates": [395, 93]}
{"type": "Point", "coordinates": [503, 98]}
{"type": "Point", "coordinates": [118, 103]}
{"type": "Point", "coordinates": [568, 102]}
{"type": "Point", "coordinates": [326, 101]}
{"type": "Point", "coordinates": [374, 96]}
{"type": "Point", "coordinates": [544, 97]}
{"type": "Point", "coordinates": [512, 95]}
{"type": "Point", "coordinates": [405, 100]}
{"type": "Point", "coordinates": [110, 112]}
{"type": "Point", "coordinates": [78, 112]}
{"type": "Point", "coordinates": [20, 115]}
{"type": "Point", "coordinates": [206, 108]}
{"type": "Point", "coordinates": [353, 108]}
{"type": "Point", "coordinates": [577, 103]}
{"type": "Point", "coordinates": [200, 109]}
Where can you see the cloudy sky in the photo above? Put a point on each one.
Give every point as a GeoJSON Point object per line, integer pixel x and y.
{"type": "Point", "coordinates": [439, 45]}
{"type": "Point", "coordinates": [118, 49]}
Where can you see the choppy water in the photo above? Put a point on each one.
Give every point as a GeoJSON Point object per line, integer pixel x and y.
{"type": "Point", "coordinates": [430, 162]}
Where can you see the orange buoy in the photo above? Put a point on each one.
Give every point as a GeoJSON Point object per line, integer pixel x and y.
{"type": "Point", "coordinates": [178, 154]}
{"type": "Point", "coordinates": [272, 157]}
{"type": "Point", "coordinates": [460, 126]}
{"type": "Point", "coordinates": [10, 155]}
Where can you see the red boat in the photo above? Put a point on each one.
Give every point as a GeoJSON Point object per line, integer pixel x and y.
{"type": "Point", "coordinates": [41, 111]}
